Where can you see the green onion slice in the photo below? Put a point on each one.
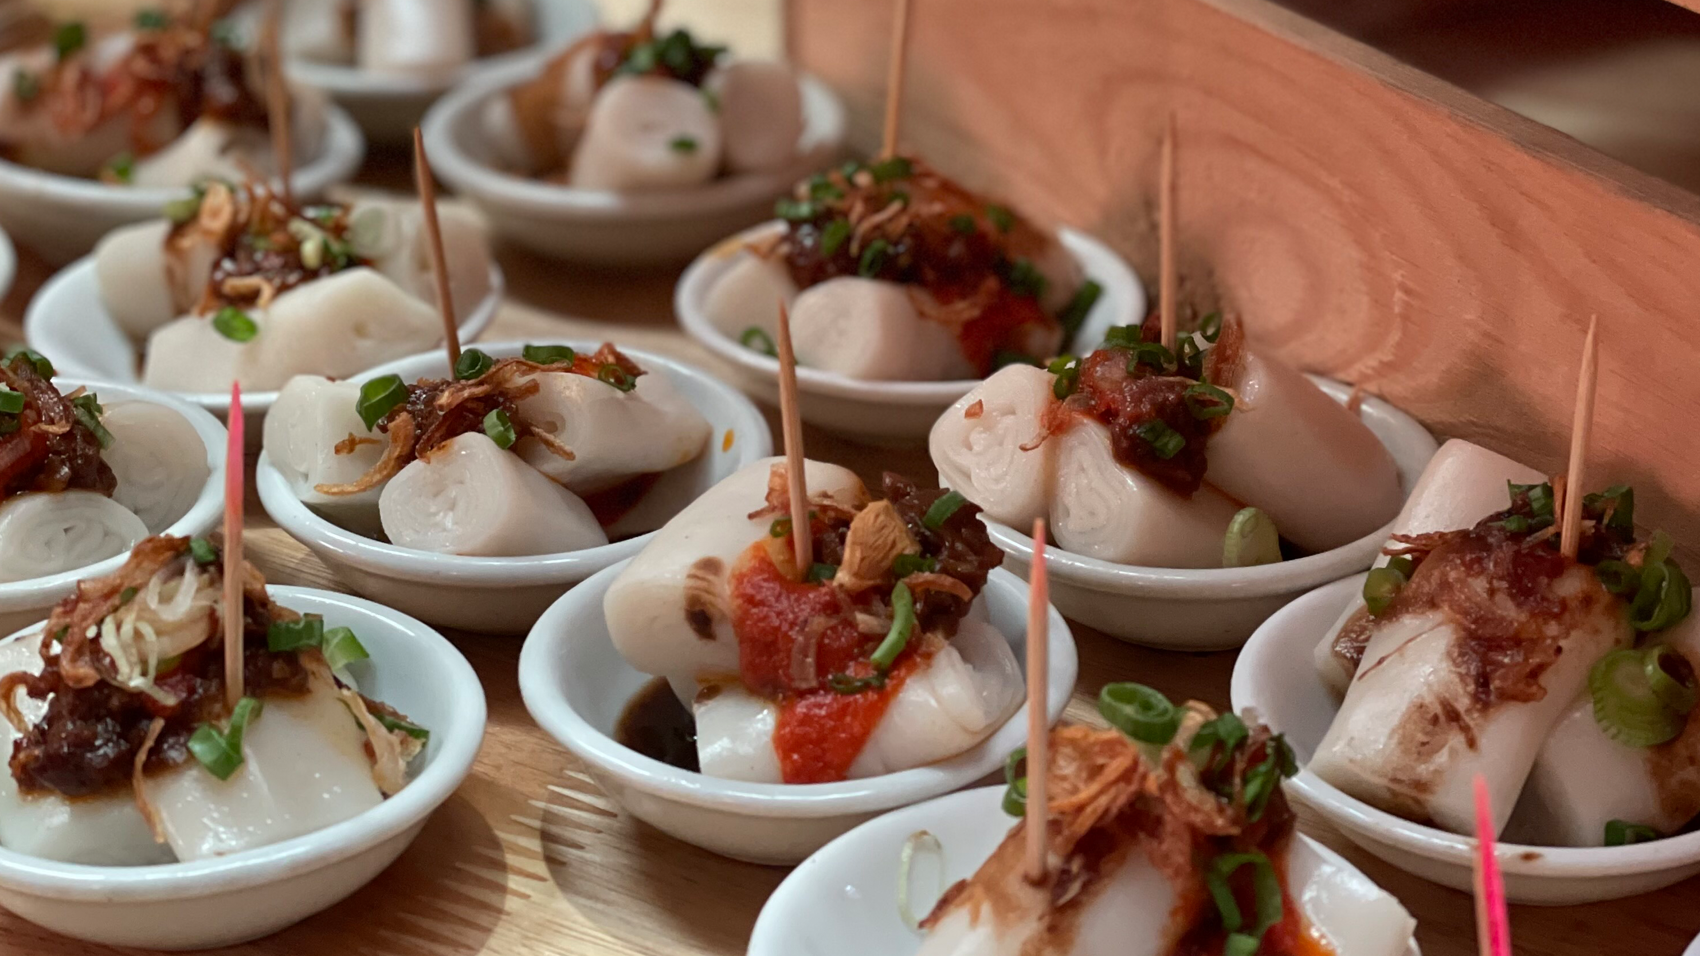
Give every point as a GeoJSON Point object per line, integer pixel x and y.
{"type": "Point", "coordinates": [614, 375]}
{"type": "Point", "coordinates": [1251, 539]}
{"type": "Point", "coordinates": [1066, 368]}
{"type": "Point", "coordinates": [1073, 315]}
{"type": "Point", "coordinates": [760, 341]}
{"type": "Point", "coordinates": [1211, 327]}
{"type": "Point", "coordinates": [833, 236]}
{"type": "Point", "coordinates": [341, 648]}
{"type": "Point", "coordinates": [549, 354]}
{"type": "Point", "coordinates": [235, 324]}
{"type": "Point", "coordinates": [1382, 585]}
{"type": "Point", "coordinates": [473, 363]}
{"type": "Point", "coordinates": [964, 225]}
{"type": "Point", "coordinates": [1266, 884]}
{"type": "Point", "coordinates": [285, 636]}
{"type": "Point", "coordinates": [1665, 596]}
{"type": "Point", "coordinates": [180, 211]}
{"type": "Point", "coordinates": [86, 409]}
{"type": "Point", "coordinates": [1626, 706]}
{"type": "Point", "coordinates": [1624, 833]}
{"type": "Point", "coordinates": [11, 402]}
{"type": "Point", "coordinates": [873, 258]}
{"type": "Point", "coordinates": [845, 684]}
{"type": "Point", "coordinates": [1672, 677]}
{"type": "Point", "coordinates": [780, 527]}
{"type": "Point", "coordinates": [1165, 442]}
{"type": "Point", "coordinates": [68, 38]}
{"type": "Point", "coordinates": [1228, 731]}
{"type": "Point", "coordinates": [941, 510]}
{"type": "Point", "coordinates": [820, 572]}
{"type": "Point", "coordinates": [499, 428]}
{"type": "Point", "coordinates": [202, 551]}
{"type": "Point", "coordinates": [902, 626]}
{"type": "Point", "coordinates": [220, 751]}
{"type": "Point", "coordinates": [683, 144]}
{"type": "Point", "coordinates": [793, 210]}
{"type": "Point", "coordinates": [892, 168]}
{"type": "Point", "coordinates": [1152, 354]}
{"type": "Point", "coordinates": [43, 367]}
{"type": "Point", "coordinates": [378, 398]}
{"type": "Point", "coordinates": [1621, 500]}
{"type": "Point", "coordinates": [1207, 401]}
{"type": "Point", "coordinates": [1015, 784]}
{"type": "Point", "coordinates": [906, 564]}
{"type": "Point", "coordinates": [1140, 712]}
{"type": "Point", "coordinates": [1618, 577]}
{"type": "Point", "coordinates": [1001, 217]}
{"type": "Point", "coordinates": [1262, 780]}
{"type": "Point", "coordinates": [396, 723]}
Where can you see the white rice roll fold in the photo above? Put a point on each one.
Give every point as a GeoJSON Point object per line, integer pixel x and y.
{"type": "Point", "coordinates": [748, 295]}
{"type": "Point", "coordinates": [870, 329]}
{"type": "Point", "coordinates": [129, 269]}
{"type": "Point", "coordinates": [761, 114]}
{"type": "Point", "coordinates": [613, 435]}
{"type": "Point", "coordinates": [430, 39]}
{"type": "Point", "coordinates": [159, 459]}
{"type": "Point", "coordinates": [189, 355]}
{"type": "Point", "coordinates": [339, 326]}
{"type": "Point", "coordinates": [310, 419]}
{"type": "Point", "coordinates": [43, 533]}
{"type": "Point", "coordinates": [647, 132]}
{"type": "Point", "coordinates": [984, 445]}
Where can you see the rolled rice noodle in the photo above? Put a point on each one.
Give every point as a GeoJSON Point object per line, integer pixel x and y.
{"type": "Point", "coordinates": [160, 461]}
{"type": "Point", "coordinates": [634, 137]}
{"type": "Point", "coordinates": [983, 446]}
{"type": "Point", "coordinates": [613, 435]}
{"type": "Point", "coordinates": [43, 533]}
{"type": "Point", "coordinates": [312, 418]}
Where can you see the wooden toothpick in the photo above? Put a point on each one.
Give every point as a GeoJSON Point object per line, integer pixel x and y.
{"type": "Point", "coordinates": [1493, 924]}
{"type": "Point", "coordinates": [894, 79]}
{"type": "Point", "coordinates": [434, 240]}
{"type": "Point", "coordinates": [277, 101]}
{"type": "Point", "coordinates": [234, 491]}
{"type": "Point", "coordinates": [791, 426]}
{"type": "Point", "coordinates": [1166, 237]}
{"type": "Point", "coordinates": [1038, 724]}
{"type": "Point", "coordinates": [1570, 529]}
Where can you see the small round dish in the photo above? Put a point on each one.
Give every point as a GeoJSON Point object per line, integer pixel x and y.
{"type": "Point", "coordinates": [843, 900]}
{"type": "Point", "coordinates": [1275, 676]}
{"type": "Point", "coordinates": [1215, 609]}
{"type": "Point", "coordinates": [609, 228]}
{"type": "Point", "coordinates": [879, 412]}
{"type": "Point", "coordinates": [62, 217]}
{"type": "Point", "coordinates": [243, 896]}
{"type": "Point", "coordinates": [388, 107]}
{"type": "Point", "coordinates": [576, 685]}
{"type": "Point", "coordinates": [26, 602]}
{"type": "Point", "coordinates": [505, 595]}
{"type": "Point", "coordinates": [67, 322]}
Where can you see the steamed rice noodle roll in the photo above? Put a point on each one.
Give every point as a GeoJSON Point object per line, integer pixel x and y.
{"type": "Point", "coordinates": [44, 533]}
{"type": "Point", "coordinates": [190, 355]}
{"type": "Point", "coordinates": [748, 296]}
{"type": "Point", "coordinates": [206, 150]}
{"type": "Point", "coordinates": [761, 114]}
{"type": "Point", "coordinates": [316, 30]}
{"type": "Point", "coordinates": [142, 286]}
{"type": "Point", "coordinates": [159, 459]}
{"type": "Point", "coordinates": [991, 446]}
{"type": "Point", "coordinates": [870, 329]}
{"type": "Point", "coordinates": [613, 434]}
{"type": "Point", "coordinates": [339, 326]}
{"type": "Point", "coordinates": [315, 438]}
{"type": "Point", "coordinates": [1462, 484]}
{"type": "Point", "coordinates": [33, 135]}
{"type": "Point", "coordinates": [394, 239]}
{"type": "Point", "coordinates": [647, 132]}
{"type": "Point", "coordinates": [407, 38]}
{"type": "Point", "coordinates": [536, 125]}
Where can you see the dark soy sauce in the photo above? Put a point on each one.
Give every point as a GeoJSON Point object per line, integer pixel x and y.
{"type": "Point", "coordinates": [656, 725]}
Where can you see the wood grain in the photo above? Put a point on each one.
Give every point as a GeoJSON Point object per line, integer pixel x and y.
{"type": "Point", "coordinates": [1366, 220]}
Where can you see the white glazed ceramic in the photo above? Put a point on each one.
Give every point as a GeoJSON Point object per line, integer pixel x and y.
{"type": "Point", "coordinates": [8, 263]}
{"type": "Point", "coordinates": [880, 412]}
{"type": "Point", "coordinates": [67, 322]}
{"type": "Point", "coordinates": [1275, 676]}
{"type": "Point", "coordinates": [1214, 609]}
{"type": "Point", "coordinates": [601, 226]}
{"type": "Point", "coordinates": [1693, 948]}
{"type": "Point", "coordinates": [27, 602]}
{"type": "Point", "coordinates": [506, 595]}
{"type": "Point", "coordinates": [576, 685]}
{"type": "Point", "coordinates": [842, 901]}
{"type": "Point", "coordinates": [227, 900]}
{"type": "Point", "coordinates": [388, 107]}
{"type": "Point", "coordinates": [62, 217]}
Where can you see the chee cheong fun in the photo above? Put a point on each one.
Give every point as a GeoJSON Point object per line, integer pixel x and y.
{"type": "Point", "coordinates": [1169, 836]}
{"type": "Point", "coordinates": [893, 271]}
{"type": "Point", "coordinates": [122, 750]}
{"type": "Point", "coordinates": [1199, 458]}
{"type": "Point", "coordinates": [876, 659]}
{"type": "Point", "coordinates": [428, 39]}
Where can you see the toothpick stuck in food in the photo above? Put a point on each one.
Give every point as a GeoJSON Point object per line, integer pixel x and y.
{"type": "Point", "coordinates": [1493, 925]}
{"type": "Point", "coordinates": [277, 100]}
{"type": "Point", "coordinates": [894, 80]}
{"type": "Point", "coordinates": [434, 240]}
{"type": "Point", "coordinates": [791, 425]}
{"type": "Point", "coordinates": [1166, 237]}
{"type": "Point", "coordinates": [1570, 527]}
{"type": "Point", "coordinates": [1038, 728]}
{"type": "Point", "coordinates": [234, 491]}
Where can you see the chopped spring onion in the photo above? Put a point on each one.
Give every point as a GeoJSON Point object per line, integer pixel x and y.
{"type": "Point", "coordinates": [1067, 370]}
{"type": "Point", "coordinates": [822, 188]}
{"type": "Point", "coordinates": [1015, 790]}
{"type": "Point", "coordinates": [11, 402]}
{"type": "Point", "coordinates": [795, 210]}
{"type": "Point", "coordinates": [378, 398]}
{"type": "Point", "coordinates": [396, 723]}
{"type": "Point", "coordinates": [1626, 706]}
{"type": "Point", "coordinates": [1251, 539]}
{"type": "Point", "coordinates": [1665, 596]}
{"type": "Point", "coordinates": [1123, 336]}
{"type": "Point", "coordinates": [614, 375]}
{"type": "Point", "coordinates": [1384, 583]}
{"type": "Point", "coordinates": [1624, 833]}
{"type": "Point", "coordinates": [1540, 503]}
{"type": "Point", "coordinates": [820, 571]}
{"type": "Point", "coordinates": [1152, 354]}
{"type": "Point", "coordinates": [122, 167]}
{"type": "Point", "coordinates": [1190, 354]}
{"type": "Point", "coordinates": [202, 551]}
{"type": "Point", "coordinates": [906, 564]}
{"type": "Point", "coordinates": [1228, 731]}
{"type": "Point", "coordinates": [1001, 217]}
{"type": "Point", "coordinates": [43, 367]}
{"type": "Point", "coordinates": [86, 408]}
{"type": "Point", "coordinates": [941, 510]}
{"type": "Point", "coordinates": [902, 626]}
{"type": "Point", "coordinates": [26, 86]}
{"type": "Point", "coordinates": [1165, 442]}
{"type": "Point", "coordinates": [873, 258]}
{"type": "Point", "coordinates": [683, 144]}
{"type": "Point", "coordinates": [1618, 577]}
{"type": "Point", "coordinates": [473, 363]}
{"type": "Point", "coordinates": [905, 863]}
{"type": "Point", "coordinates": [68, 38]}
{"type": "Point", "coordinates": [833, 236]}
{"type": "Point", "coordinates": [338, 644]}
{"type": "Point", "coordinates": [548, 354]}
{"type": "Point", "coordinates": [845, 684]}
{"type": "Point", "coordinates": [1073, 315]}
{"type": "Point", "coordinates": [220, 751]}
{"type": "Point", "coordinates": [180, 211]}
{"type": "Point", "coordinates": [341, 648]}
{"type": "Point", "coordinates": [1262, 780]}
{"type": "Point", "coordinates": [1140, 712]}
{"type": "Point", "coordinates": [499, 428]}
{"type": "Point", "coordinates": [126, 596]}
{"type": "Point", "coordinates": [1207, 401]}
{"type": "Point", "coordinates": [1025, 279]}
{"type": "Point", "coordinates": [235, 324]}
{"type": "Point", "coordinates": [1620, 499]}
{"type": "Point", "coordinates": [964, 225]}
{"type": "Point", "coordinates": [760, 341]}
{"type": "Point", "coordinates": [9, 424]}
{"type": "Point", "coordinates": [780, 527]}
{"type": "Point", "coordinates": [1211, 327]}
{"type": "Point", "coordinates": [1243, 941]}
{"type": "Point", "coordinates": [892, 168]}
{"type": "Point", "coordinates": [152, 19]}
{"type": "Point", "coordinates": [1672, 678]}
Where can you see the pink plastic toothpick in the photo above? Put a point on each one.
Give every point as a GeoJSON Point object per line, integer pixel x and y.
{"type": "Point", "coordinates": [235, 490]}
{"type": "Point", "coordinates": [1493, 925]}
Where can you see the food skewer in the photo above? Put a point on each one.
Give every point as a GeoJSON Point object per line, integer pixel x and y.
{"type": "Point", "coordinates": [1166, 237]}
{"type": "Point", "coordinates": [234, 489]}
{"type": "Point", "coordinates": [1493, 929]}
{"type": "Point", "coordinates": [894, 80]}
{"type": "Point", "coordinates": [1038, 733]}
{"type": "Point", "coordinates": [434, 239]}
{"type": "Point", "coordinates": [277, 100]}
{"type": "Point", "coordinates": [1582, 422]}
{"type": "Point", "coordinates": [791, 422]}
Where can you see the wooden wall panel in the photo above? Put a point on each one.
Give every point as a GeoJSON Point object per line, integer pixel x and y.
{"type": "Point", "coordinates": [1366, 220]}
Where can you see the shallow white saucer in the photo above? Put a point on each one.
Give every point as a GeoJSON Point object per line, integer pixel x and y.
{"type": "Point", "coordinates": [842, 901]}
{"type": "Point", "coordinates": [603, 227]}
{"type": "Point", "coordinates": [27, 602]}
{"type": "Point", "coordinates": [68, 323]}
{"type": "Point", "coordinates": [243, 896]}
{"type": "Point", "coordinates": [881, 412]}
{"type": "Point", "coordinates": [576, 685]}
{"type": "Point", "coordinates": [1212, 609]}
{"type": "Point", "coordinates": [1275, 675]}
{"type": "Point", "coordinates": [62, 217]}
{"type": "Point", "coordinates": [506, 595]}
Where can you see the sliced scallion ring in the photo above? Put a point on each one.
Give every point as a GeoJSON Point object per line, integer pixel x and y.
{"type": "Point", "coordinates": [1211, 326]}
{"type": "Point", "coordinates": [1152, 354]}
{"type": "Point", "coordinates": [473, 363]}
{"type": "Point", "coordinates": [235, 324]}
{"type": "Point", "coordinates": [220, 751]}
{"type": "Point", "coordinates": [1015, 790]}
{"type": "Point", "coordinates": [1626, 707]}
{"type": "Point", "coordinates": [1165, 442]}
{"type": "Point", "coordinates": [1381, 586]}
{"type": "Point", "coordinates": [341, 648]}
{"type": "Point", "coordinates": [1266, 884]}
{"type": "Point", "coordinates": [902, 626]}
{"type": "Point", "coordinates": [1206, 401]}
{"type": "Point", "coordinates": [500, 428]}
{"type": "Point", "coordinates": [614, 375]}
{"type": "Point", "coordinates": [378, 398]}
{"type": "Point", "coordinates": [1624, 833]}
{"type": "Point", "coordinates": [202, 551]}
{"type": "Point", "coordinates": [1140, 712]}
{"type": "Point", "coordinates": [1665, 596]}
{"type": "Point", "coordinates": [941, 510]}
{"type": "Point", "coordinates": [1251, 540]}
{"type": "Point", "coordinates": [11, 402]}
{"type": "Point", "coordinates": [1671, 677]}
{"type": "Point", "coordinates": [833, 236]}
{"type": "Point", "coordinates": [758, 339]}
{"type": "Point", "coordinates": [548, 354]}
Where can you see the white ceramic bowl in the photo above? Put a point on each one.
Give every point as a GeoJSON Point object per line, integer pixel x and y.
{"type": "Point", "coordinates": [67, 322]}
{"type": "Point", "coordinates": [506, 595]}
{"type": "Point", "coordinates": [604, 227]}
{"type": "Point", "coordinates": [27, 602]}
{"type": "Point", "coordinates": [8, 263]}
{"type": "Point", "coordinates": [576, 685]}
{"type": "Point", "coordinates": [843, 900]}
{"type": "Point", "coordinates": [227, 900]}
{"type": "Point", "coordinates": [1275, 675]}
{"type": "Point", "coordinates": [62, 217]}
{"type": "Point", "coordinates": [1214, 608]}
{"type": "Point", "coordinates": [388, 107]}
{"type": "Point", "coordinates": [880, 412]}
